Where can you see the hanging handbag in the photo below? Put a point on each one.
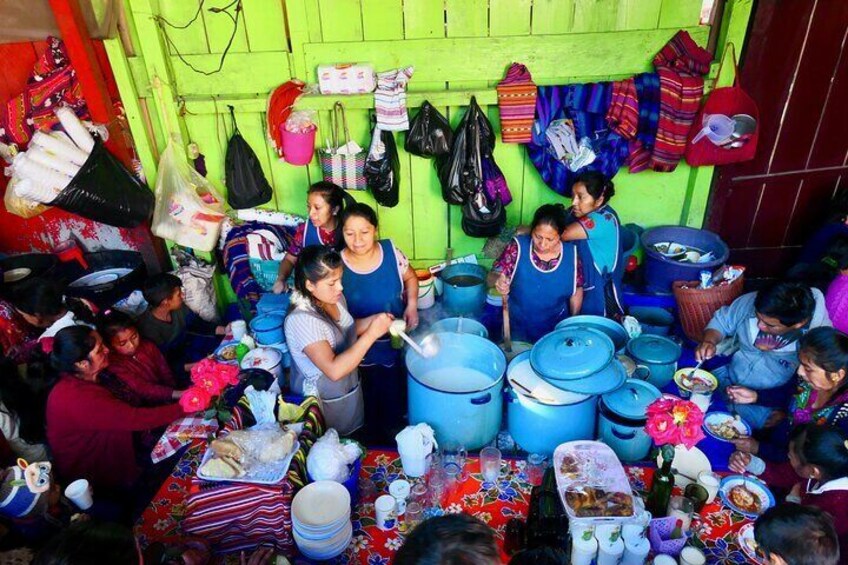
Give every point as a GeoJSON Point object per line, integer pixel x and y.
{"type": "Point", "coordinates": [341, 168]}
{"type": "Point", "coordinates": [739, 142]}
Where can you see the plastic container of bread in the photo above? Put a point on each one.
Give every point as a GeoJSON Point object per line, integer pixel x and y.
{"type": "Point", "coordinates": [592, 484]}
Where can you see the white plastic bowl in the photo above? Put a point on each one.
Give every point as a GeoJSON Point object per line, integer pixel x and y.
{"type": "Point", "coordinates": [320, 504]}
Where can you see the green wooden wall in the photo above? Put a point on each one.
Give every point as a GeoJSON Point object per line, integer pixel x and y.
{"type": "Point", "coordinates": [459, 48]}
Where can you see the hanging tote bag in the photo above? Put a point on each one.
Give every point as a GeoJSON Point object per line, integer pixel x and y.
{"type": "Point", "coordinates": [340, 166]}
{"type": "Point", "coordinates": [247, 186]}
{"type": "Point", "coordinates": [739, 141]}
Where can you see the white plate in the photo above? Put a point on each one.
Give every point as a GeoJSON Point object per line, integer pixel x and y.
{"type": "Point", "coordinates": [716, 418]}
{"type": "Point", "coordinates": [220, 350]}
{"type": "Point", "coordinates": [687, 464]}
{"type": "Point", "coordinates": [756, 486]}
{"type": "Point", "coordinates": [320, 503]}
{"type": "Point", "coordinates": [101, 277]}
{"type": "Point", "coordinates": [745, 537]}
{"type": "Point", "coordinates": [259, 474]}
{"type": "Point", "coordinates": [330, 549]}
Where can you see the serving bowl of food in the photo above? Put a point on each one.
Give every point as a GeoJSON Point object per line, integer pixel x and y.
{"type": "Point", "coordinates": [694, 381]}
{"type": "Point", "coordinates": [725, 426]}
{"type": "Point", "coordinates": [748, 496]}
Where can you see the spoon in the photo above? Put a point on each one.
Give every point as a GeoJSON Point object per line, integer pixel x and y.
{"type": "Point", "coordinates": [429, 350]}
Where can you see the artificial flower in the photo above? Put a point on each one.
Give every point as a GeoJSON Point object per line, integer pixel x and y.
{"type": "Point", "coordinates": [674, 422]}
{"type": "Point", "coordinates": [195, 399]}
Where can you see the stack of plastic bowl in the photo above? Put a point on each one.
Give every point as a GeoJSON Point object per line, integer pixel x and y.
{"type": "Point", "coordinates": [321, 520]}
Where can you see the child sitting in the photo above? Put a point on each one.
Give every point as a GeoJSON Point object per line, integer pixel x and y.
{"type": "Point", "coordinates": [137, 362]}
{"type": "Point", "coordinates": [167, 320]}
{"type": "Point", "coordinates": [767, 326]}
{"type": "Point", "coordinates": [791, 534]}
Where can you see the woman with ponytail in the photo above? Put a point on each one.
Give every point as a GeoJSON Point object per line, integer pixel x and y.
{"type": "Point", "coordinates": [326, 343]}
{"type": "Point", "coordinates": [597, 232]}
{"type": "Point", "coordinates": [325, 202]}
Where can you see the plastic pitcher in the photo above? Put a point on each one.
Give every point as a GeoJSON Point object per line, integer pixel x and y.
{"type": "Point", "coordinates": [718, 128]}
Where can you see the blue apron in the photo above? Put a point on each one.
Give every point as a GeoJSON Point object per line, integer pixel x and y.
{"type": "Point", "coordinates": [597, 276]}
{"type": "Point", "coordinates": [378, 291]}
{"type": "Point", "coordinates": [311, 235]}
{"type": "Point", "coordinates": [539, 299]}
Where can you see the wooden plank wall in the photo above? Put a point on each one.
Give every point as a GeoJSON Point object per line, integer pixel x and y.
{"type": "Point", "coordinates": [455, 45]}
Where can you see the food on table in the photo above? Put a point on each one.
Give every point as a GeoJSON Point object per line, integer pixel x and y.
{"type": "Point", "coordinates": [570, 467]}
{"type": "Point", "coordinates": [223, 468]}
{"type": "Point", "coordinates": [745, 500]}
{"type": "Point", "coordinates": [265, 446]}
{"type": "Point", "coordinates": [590, 502]}
{"type": "Point", "coordinates": [696, 383]}
{"type": "Point", "coordinates": [228, 353]}
{"type": "Point", "coordinates": [726, 429]}
{"type": "Point", "coordinates": [227, 448]}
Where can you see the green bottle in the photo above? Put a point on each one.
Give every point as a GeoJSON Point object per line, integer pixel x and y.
{"type": "Point", "coordinates": [660, 493]}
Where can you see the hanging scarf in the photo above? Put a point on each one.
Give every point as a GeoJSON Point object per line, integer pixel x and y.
{"type": "Point", "coordinates": [648, 92]}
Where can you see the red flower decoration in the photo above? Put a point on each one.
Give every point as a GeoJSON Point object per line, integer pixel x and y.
{"type": "Point", "coordinates": [212, 376]}
{"type": "Point", "coordinates": [674, 422]}
{"type": "Point", "coordinates": [195, 399]}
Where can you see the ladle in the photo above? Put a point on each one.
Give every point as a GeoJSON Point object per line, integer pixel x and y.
{"type": "Point", "coordinates": [430, 348]}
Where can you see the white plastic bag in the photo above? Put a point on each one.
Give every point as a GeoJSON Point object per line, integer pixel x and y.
{"type": "Point", "coordinates": [189, 210]}
{"type": "Point", "coordinates": [328, 459]}
{"type": "Point", "coordinates": [198, 286]}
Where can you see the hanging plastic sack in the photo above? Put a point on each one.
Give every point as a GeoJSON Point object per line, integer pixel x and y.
{"type": "Point", "coordinates": [482, 217]}
{"type": "Point", "coordinates": [429, 133]}
{"type": "Point", "coordinates": [189, 210]}
{"type": "Point", "coordinates": [105, 191]}
{"type": "Point", "coordinates": [740, 142]}
{"type": "Point", "coordinates": [382, 168]}
{"type": "Point", "coordinates": [247, 186]}
{"type": "Point", "coordinates": [461, 174]}
{"type": "Point", "coordinates": [495, 182]}
{"type": "Point", "coordinates": [198, 288]}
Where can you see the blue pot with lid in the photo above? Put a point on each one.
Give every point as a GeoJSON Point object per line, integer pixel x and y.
{"type": "Point", "coordinates": [578, 359]}
{"type": "Point", "coordinates": [611, 328]}
{"type": "Point", "coordinates": [621, 419]}
{"type": "Point", "coordinates": [657, 356]}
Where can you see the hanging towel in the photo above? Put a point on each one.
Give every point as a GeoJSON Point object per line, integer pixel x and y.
{"type": "Point", "coordinates": [648, 93]}
{"type": "Point", "coordinates": [517, 104]}
{"type": "Point", "coordinates": [623, 111]}
{"type": "Point", "coordinates": [681, 65]}
{"type": "Point", "coordinates": [390, 99]}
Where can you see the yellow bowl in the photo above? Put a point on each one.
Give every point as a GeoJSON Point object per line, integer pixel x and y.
{"type": "Point", "coordinates": [687, 385]}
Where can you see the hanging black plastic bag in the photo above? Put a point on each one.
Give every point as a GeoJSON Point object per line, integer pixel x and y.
{"type": "Point", "coordinates": [429, 133]}
{"type": "Point", "coordinates": [246, 183]}
{"type": "Point", "coordinates": [461, 174]}
{"type": "Point", "coordinates": [105, 191]}
{"type": "Point", "coordinates": [482, 217]}
{"type": "Point", "coordinates": [382, 167]}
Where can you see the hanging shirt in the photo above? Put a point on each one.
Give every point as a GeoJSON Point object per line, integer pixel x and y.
{"type": "Point", "coordinates": [390, 99]}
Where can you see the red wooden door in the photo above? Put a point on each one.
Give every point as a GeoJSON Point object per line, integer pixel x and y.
{"type": "Point", "coordinates": [796, 68]}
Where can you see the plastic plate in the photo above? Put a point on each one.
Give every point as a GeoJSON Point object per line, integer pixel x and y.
{"type": "Point", "coordinates": [754, 485]}
{"type": "Point", "coordinates": [220, 351]}
{"type": "Point", "coordinates": [745, 539]}
{"type": "Point", "coordinates": [716, 418]}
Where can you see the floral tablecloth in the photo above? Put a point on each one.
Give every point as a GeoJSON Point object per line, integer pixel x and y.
{"type": "Point", "coordinates": [714, 530]}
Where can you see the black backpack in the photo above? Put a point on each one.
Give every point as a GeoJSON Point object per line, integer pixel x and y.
{"type": "Point", "coordinates": [246, 183]}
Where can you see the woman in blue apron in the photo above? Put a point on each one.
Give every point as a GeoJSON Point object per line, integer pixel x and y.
{"type": "Point", "coordinates": [541, 274]}
{"type": "Point", "coordinates": [377, 278]}
{"type": "Point", "coordinates": [325, 202]}
{"type": "Point", "coordinates": [597, 235]}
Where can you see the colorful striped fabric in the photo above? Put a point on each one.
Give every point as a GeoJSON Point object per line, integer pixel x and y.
{"type": "Point", "coordinates": [648, 93]}
{"type": "Point", "coordinates": [242, 516]}
{"type": "Point", "coordinates": [681, 65]}
{"type": "Point", "coordinates": [390, 99]}
{"type": "Point", "coordinates": [623, 110]}
{"type": "Point", "coordinates": [517, 104]}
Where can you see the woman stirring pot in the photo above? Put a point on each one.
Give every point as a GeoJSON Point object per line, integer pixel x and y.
{"type": "Point", "coordinates": [325, 342]}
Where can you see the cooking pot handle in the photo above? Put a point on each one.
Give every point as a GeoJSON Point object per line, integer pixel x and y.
{"type": "Point", "coordinates": [645, 370]}
{"type": "Point", "coordinates": [623, 436]}
{"type": "Point", "coordinates": [482, 399]}
{"type": "Point", "coordinates": [509, 394]}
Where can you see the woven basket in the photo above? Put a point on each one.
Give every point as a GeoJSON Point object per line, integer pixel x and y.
{"type": "Point", "coordinates": [696, 306]}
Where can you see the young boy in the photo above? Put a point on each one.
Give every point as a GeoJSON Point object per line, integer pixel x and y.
{"type": "Point", "coordinates": [791, 534]}
{"type": "Point", "coordinates": [766, 326]}
{"type": "Point", "coordinates": [181, 335]}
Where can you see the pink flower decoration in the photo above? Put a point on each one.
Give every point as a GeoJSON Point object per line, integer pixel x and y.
{"type": "Point", "coordinates": [661, 428]}
{"type": "Point", "coordinates": [195, 399]}
{"type": "Point", "coordinates": [674, 422]}
{"type": "Point", "coordinates": [213, 376]}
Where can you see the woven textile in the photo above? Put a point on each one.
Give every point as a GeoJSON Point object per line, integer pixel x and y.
{"type": "Point", "coordinates": [517, 104]}
{"type": "Point", "coordinates": [623, 111]}
{"type": "Point", "coordinates": [648, 93]}
{"type": "Point", "coordinates": [390, 99]}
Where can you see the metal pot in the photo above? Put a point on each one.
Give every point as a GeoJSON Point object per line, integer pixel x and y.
{"type": "Point", "coordinates": [267, 358]}
{"type": "Point", "coordinates": [657, 354]}
{"type": "Point", "coordinates": [541, 416]}
{"type": "Point", "coordinates": [458, 391]}
{"type": "Point", "coordinates": [622, 417]}
{"type": "Point", "coordinates": [268, 328]}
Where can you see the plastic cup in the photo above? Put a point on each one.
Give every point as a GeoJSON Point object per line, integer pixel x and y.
{"type": "Point", "coordinates": [692, 556]}
{"type": "Point", "coordinates": [583, 551]}
{"type": "Point", "coordinates": [610, 553]}
{"type": "Point", "coordinates": [710, 481]}
{"type": "Point", "coordinates": [396, 327]}
{"type": "Point", "coordinates": [413, 516]}
{"type": "Point", "coordinates": [490, 464]}
{"type": "Point", "coordinates": [697, 494]}
{"type": "Point", "coordinates": [535, 469]}
{"type": "Point", "coordinates": [80, 493]}
{"type": "Point", "coordinates": [238, 328]}
{"type": "Point", "coordinates": [384, 511]}
{"type": "Point", "coordinates": [664, 559]}
{"type": "Point", "coordinates": [635, 551]}
{"type": "Point", "coordinates": [419, 494]}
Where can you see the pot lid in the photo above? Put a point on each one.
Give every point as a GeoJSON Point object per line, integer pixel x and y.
{"type": "Point", "coordinates": [631, 401]}
{"type": "Point", "coordinates": [265, 322]}
{"type": "Point", "coordinates": [653, 349]}
{"type": "Point", "coordinates": [527, 382]}
{"type": "Point", "coordinates": [606, 380]}
{"type": "Point", "coordinates": [270, 302]}
{"type": "Point", "coordinates": [610, 328]}
{"type": "Point", "coordinates": [262, 358]}
{"type": "Point", "coordinates": [571, 353]}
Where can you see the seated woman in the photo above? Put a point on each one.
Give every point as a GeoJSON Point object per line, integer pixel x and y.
{"type": "Point", "coordinates": [597, 231]}
{"type": "Point", "coordinates": [137, 362]}
{"type": "Point", "coordinates": [541, 274]}
{"type": "Point", "coordinates": [767, 326]}
{"type": "Point", "coordinates": [325, 202]}
{"type": "Point", "coordinates": [325, 342]}
{"type": "Point", "coordinates": [821, 396]}
{"type": "Point", "coordinates": [377, 278]}
{"type": "Point", "coordinates": [89, 431]}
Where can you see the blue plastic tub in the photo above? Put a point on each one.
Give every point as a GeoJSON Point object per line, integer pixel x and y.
{"type": "Point", "coordinates": [268, 328]}
{"type": "Point", "coordinates": [270, 303]}
{"type": "Point", "coordinates": [464, 289]}
{"type": "Point", "coordinates": [660, 272]}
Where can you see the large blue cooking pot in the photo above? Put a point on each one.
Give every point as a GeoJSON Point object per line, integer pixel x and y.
{"type": "Point", "coordinates": [458, 391]}
{"type": "Point", "coordinates": [541, 416]}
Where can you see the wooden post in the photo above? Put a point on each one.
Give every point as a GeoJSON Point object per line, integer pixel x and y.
{"type": "Point", "coordinates": [78, 43]}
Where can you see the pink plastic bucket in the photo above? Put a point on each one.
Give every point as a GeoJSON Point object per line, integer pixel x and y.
{"type": "Point", "coordinates": [298, 148]}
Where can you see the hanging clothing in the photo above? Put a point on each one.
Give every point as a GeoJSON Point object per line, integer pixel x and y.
{"type": "Point", "coordinates": [603, 268]}
{"type": "Point", "coordinates": [341, 400]}
{"type": "Point", "coordinates": [516, 104]}
{"type": "Point", "coordinates": [538, 299]}
{"type": "Point", "coordinates": [681, 65]}
{"type": "Point", "coordinates": [623, 111]}
{"type": "Point", "coordinates": [390, 99]}
{"type": "Point", "coordinates": [640, 148]}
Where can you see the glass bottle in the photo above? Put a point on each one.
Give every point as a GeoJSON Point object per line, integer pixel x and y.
{"type": "Point", "coordinates": [663, 483]}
